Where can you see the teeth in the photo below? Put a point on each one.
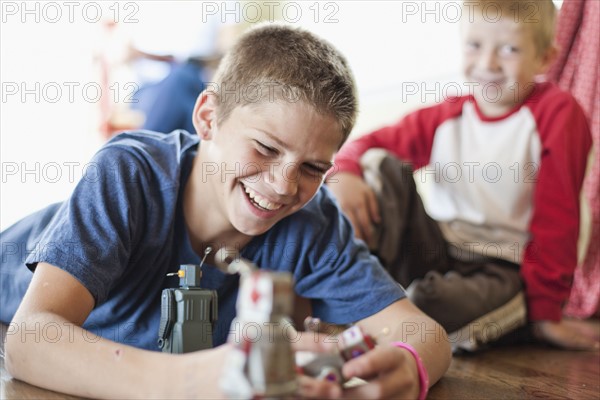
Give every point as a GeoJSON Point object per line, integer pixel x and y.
{"type": "Point", "coordinates": [261, 201]}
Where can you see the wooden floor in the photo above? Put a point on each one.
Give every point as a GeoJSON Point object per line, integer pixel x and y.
{"type": "Point", "coordinates": [521, 372]}
{"type": "Point", "coordinates": [528, 371]}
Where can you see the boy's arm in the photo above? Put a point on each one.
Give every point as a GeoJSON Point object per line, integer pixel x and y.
{"type": "Point", "coordinates": [356, 198]}
{"type": "Point", "coordinates": [410, 140]}
{"type": "Point", "coordinates": [51, 350]}
{"type": "Point", "coordinates": [392, 372]}
{"type": "Point", "coordinates": [358, 201]}
{"type": "Point", "coordinates": [551, 256]}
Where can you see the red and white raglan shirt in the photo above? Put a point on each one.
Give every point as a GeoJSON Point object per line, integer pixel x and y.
{"type": "Point", "coordinates": [506, 187]}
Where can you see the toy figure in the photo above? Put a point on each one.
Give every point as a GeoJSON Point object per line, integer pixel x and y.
{"type": "Point", "coordinates": [187, 313]}
{"type": "Point", "coordinates": [352, 342]}
{"type": "Point", "coordinates": [262, 363]}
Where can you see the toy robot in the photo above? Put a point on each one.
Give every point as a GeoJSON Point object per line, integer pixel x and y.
{"type": "Point", "coordinates": [262, 362]}
{"type": "Point", "coordinates": [187, 313]}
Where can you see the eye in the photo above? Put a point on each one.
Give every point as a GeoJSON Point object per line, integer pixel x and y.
{"type": "Point", "coordinates": [508, 50]}
{"type": "Point", "coordinates": [315, 169]}
{"type": "Point", "coordinates": [265, 150]}
{"type": "Point", "coordinates": [472, 46]}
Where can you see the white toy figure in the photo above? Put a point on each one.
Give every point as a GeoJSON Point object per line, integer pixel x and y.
{"type": "Point", "coordinates": [262, 363]}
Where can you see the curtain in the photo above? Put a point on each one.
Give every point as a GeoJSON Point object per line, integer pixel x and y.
{"type": "Point", "coordinates": [577, 71]}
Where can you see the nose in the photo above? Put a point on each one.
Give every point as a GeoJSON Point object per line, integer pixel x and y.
{"type": "Point", "coordinates": [488, 60]}
{"type": "Point", "coordinates": [285, 179]}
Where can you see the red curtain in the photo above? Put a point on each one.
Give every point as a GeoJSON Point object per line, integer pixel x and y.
{"type": "Point", "coordinates": [577, 70]}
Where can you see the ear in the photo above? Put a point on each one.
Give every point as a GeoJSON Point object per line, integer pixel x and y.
{"type": "Point", "coordinates": [204, 117]}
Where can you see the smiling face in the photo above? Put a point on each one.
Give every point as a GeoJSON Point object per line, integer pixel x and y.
{"type": "Point", "coordinates": [263, 163]}
{"type": "Point", "coordinates": [501, 58]}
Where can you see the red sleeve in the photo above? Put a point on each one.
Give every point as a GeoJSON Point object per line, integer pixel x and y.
{"type": "Point", "coordinates": [410, 139]}
{"type": "Point", "coordinates": [551, 256]}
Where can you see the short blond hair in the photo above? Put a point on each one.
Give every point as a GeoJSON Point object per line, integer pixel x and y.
{"type": "Point", "coordinates": [539, 15]}
{"type": "Point", "coordinates": [289, 64]}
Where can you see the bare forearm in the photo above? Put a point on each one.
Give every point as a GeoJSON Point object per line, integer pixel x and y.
{"type": "Point", "coordinates": [404, 322]}
{"type": "Point", "coordinates": [53, 353]}
{"type": "Point", "coordinates": [430, 341]}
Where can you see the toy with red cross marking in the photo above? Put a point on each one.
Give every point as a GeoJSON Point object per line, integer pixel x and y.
{"type": "Point", "coordinates": [261, 365]}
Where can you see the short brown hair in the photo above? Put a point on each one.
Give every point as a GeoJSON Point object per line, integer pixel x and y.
{"type": "Point", "coordinates": [279, 61]}
{"type": "Point", "coordinates": [540, 15]}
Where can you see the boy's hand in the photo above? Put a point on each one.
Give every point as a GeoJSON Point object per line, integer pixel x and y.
{"type": "Point", "coordinates": [312, 387]}
{"type": "Point", "coordinates": [569, 334]}
{"type": "Point", "coordinates": [357, 201]}
{"type": "Point", "coordinates": [389, 372]}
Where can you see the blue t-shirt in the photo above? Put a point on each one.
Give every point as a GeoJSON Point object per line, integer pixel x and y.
{"type": "Point", "coordinates": [122, 230]}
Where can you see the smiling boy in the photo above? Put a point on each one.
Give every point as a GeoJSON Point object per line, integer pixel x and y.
{"type": "Point", "coordinates": [282, 105]}
{"type": "Point", "coordinates": [504, 58]}
{"type": "Point", "coordinates": [504, 168]}
{"type": "Point", "coordinates": [261, 138]}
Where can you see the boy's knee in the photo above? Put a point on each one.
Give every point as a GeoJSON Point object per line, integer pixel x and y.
{"type": "Point", "coordinates": [387, 175]}
{"type": "Point", "coordinates": [435, 287]}
{"type": "Point", "coordinates": [380, 160]}
{"type": "Point", "coordinates": [435, 294]}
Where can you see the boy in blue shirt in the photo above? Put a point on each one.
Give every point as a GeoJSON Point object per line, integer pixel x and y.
{"type": "Point", "coordinates": [282, 104]}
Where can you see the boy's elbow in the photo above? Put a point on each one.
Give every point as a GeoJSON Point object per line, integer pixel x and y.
{"type": "Point", "coordinates": [13, 351]}
{"type": "Point", "coordinates": [444, 350]}
{"type": "Point", "coordinates": [438, 349]}
{"type": "Point", "coordinates": [445, 340]}
{"type": "Point", "coordinates": [19, 345]}
{"type": "Point", "coordinates": [447, 353]}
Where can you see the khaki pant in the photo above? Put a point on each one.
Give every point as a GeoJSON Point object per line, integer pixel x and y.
{"type": "Point", "coordinates": [412, 248]}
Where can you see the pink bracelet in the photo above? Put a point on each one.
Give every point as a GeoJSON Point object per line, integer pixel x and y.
{"type": "Point", "coordinates": [423, 376]}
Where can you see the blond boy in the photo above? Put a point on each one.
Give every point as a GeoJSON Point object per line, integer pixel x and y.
{"type": "Point", "coordinates": [504, 166]}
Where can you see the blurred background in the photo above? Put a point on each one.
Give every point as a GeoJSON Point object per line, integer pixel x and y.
{"type": "Point", "coordinates": [74, 73]}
